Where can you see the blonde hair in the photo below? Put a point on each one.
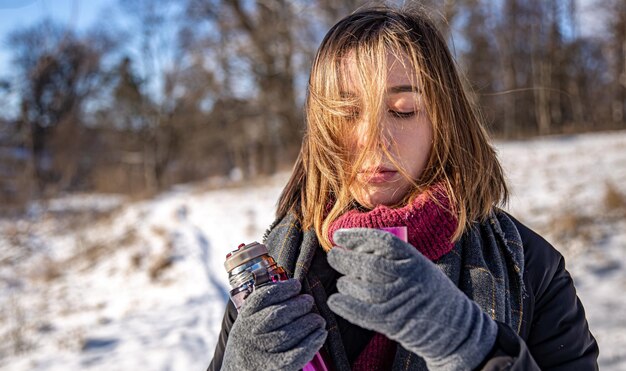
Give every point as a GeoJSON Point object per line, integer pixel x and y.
{"type": "Point", "coordinates": [461, 157]}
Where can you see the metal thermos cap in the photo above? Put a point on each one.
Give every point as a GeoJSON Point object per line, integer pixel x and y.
{"type": "Point", "coordinates": [244, 254]}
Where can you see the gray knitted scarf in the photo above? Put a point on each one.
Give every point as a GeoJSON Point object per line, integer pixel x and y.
{"type": "Point", "coordinates": [486, 264]}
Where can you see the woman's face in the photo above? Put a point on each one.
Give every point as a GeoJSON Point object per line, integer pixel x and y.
{"type": "Point", "coordinates": [407, 136]}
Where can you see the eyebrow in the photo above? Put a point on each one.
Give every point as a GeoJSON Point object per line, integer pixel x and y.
{"type": "Point", "coordinates": [403, 89]}
{"type": "Point", "coordinates": [392, 90]}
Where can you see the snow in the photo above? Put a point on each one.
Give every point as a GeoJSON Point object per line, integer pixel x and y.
{"type": "Point", "coordinates": [100, 282]}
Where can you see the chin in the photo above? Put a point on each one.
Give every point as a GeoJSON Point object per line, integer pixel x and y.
{"type": "Point", "coordinates": [373, 196]}
{"type": "Point", "coordinates": [373, 199]}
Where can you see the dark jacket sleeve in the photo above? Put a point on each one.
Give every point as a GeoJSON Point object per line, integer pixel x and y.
{"type": "Point", "coordinates": [230, 314]}
{"type": "Point", "coordinates": [558, 336]}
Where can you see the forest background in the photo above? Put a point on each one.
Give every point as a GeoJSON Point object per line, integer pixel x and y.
{"type": "Point", "coordinates": [159, 92]}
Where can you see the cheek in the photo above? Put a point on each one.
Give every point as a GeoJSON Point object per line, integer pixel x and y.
{"type": "Point", "coordinates": [417, 146]}
{"type": "Point", "coordinates": [426, 142]}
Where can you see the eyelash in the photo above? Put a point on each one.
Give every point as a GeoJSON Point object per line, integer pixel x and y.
{"type": "Point", "coordinates": [354, 114]}
{"type": "Point", "coordinates": [402, 115]}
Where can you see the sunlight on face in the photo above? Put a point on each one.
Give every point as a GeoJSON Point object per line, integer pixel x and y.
{"type": "Point", "coordinates": [408, 136]}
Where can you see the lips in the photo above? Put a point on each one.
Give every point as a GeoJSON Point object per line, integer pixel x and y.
{"type": "Point", "coordinates": [377, 175]}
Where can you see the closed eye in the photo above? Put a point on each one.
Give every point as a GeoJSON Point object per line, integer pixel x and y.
{"type": "Point", "coordinates": [402, 115]}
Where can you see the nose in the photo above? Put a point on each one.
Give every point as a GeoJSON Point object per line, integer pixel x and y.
{"type": "Point", "coordinates": [362, 133]}
{"type": "Point", "coordinates": [366, 128]}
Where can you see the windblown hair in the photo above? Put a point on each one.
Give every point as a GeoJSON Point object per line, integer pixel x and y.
{"type": "Point", "coordinates": [461, 157]}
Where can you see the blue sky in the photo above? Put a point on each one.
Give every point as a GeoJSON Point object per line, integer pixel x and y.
{"type": "Point", "coordinates": [19, 14]}
{"type": "Point", "coordinates": [81, 14]}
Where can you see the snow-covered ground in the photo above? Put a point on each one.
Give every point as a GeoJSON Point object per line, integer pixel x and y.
{"type": "Point", "coordinates": [95, 282]}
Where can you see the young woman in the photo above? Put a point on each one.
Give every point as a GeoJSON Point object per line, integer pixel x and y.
{"type": "Point", "coordinates": [393, 141]}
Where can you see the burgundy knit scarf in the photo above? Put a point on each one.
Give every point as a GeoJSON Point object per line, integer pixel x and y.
{"type": "Point", "coordinates": [430, 226]}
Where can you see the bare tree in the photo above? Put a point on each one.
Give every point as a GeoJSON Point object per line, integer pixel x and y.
{"type": "Point", "coordinates": [617, 46]}
{"type": "Point", "coordinates": [59, 73]}
{"type": "Point", "coordinates": [255, 47]}
{"type": "Point", "coordinates": [155, 28]}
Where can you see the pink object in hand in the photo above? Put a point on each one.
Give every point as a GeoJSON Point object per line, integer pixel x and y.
{"type": "Point", "coordinates": [399, 232]}
{"type": "Point", "coordinates": [316, 364]}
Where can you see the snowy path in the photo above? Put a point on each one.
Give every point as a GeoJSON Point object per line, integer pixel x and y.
{"type": "Point", "coordinates": [145, 287]}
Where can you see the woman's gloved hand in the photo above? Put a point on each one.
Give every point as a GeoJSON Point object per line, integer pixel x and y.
{"type": "Point", "coordinates": [391, 288]}
{"type": "Point", "coordinates": [275, 329]}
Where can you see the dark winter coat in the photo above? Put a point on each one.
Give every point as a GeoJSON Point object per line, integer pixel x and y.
{"type": "Point", "coordinates": [554, 334]}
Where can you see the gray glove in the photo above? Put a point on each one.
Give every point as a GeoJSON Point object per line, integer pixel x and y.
{"type": "Point", "coordinates": [391, 288]}
{"type": "Point", "coordinates": [275, 329]}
